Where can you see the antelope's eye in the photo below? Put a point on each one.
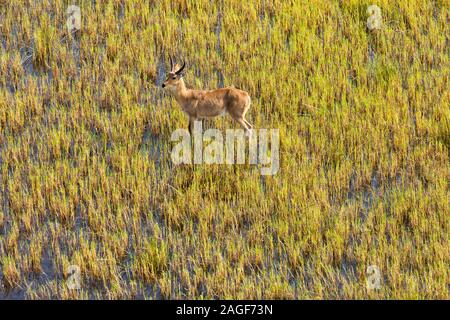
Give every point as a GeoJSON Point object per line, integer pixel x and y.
{"type": "Point", "coordinates": [174, 77]}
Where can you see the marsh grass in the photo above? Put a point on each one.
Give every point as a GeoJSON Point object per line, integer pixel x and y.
{"type": "Point", "coordinates": [86, 177]}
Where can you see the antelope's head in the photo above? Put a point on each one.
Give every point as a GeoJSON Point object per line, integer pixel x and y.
{"type": "Point", "coordinates": [174, 77]}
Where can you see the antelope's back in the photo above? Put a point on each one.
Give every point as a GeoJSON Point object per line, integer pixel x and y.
{"type": "Point", "coordinates": [237, 95]}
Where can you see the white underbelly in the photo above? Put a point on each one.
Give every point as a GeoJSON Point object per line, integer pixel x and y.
{"type": "Point", "coordinates": [212, 114]}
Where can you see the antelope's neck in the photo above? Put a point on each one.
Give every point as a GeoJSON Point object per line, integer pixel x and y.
{"type": "Point", "coordinates": [181, 94]}
{"type": "Point", "coordinates": [185, 99]}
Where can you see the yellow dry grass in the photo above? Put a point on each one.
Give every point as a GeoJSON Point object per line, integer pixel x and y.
{"type": "Point", "coordinates": [86, 177]}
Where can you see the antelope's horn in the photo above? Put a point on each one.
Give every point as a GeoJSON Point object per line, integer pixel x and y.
{"type": "Point", "coordinates": [171, 63]}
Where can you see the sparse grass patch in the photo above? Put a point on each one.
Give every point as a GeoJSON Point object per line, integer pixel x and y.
{"type": "Point", "coordinates": [86, 177]}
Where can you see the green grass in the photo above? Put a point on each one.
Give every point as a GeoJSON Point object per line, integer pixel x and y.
{"type": "Point", "coordinates": [86, 176]}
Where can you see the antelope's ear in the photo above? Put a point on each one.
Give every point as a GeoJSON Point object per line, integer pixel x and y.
{"type": "Point", "coordinates": [176, 67]}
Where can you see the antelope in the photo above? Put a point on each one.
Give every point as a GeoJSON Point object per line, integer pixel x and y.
{"type": "Point", "coordinates": [200, 104]}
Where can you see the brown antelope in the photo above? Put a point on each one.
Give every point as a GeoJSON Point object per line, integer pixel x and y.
{"type": "Point", "coordinates": [199, 104]}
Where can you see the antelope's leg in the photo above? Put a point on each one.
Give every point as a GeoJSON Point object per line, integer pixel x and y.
{"type": "Point", "coordinates": [248, 124]}
{"type": "Point", "coordinates": [244, 125]}
{"type": "Point", "coordinates": [191, 125]}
